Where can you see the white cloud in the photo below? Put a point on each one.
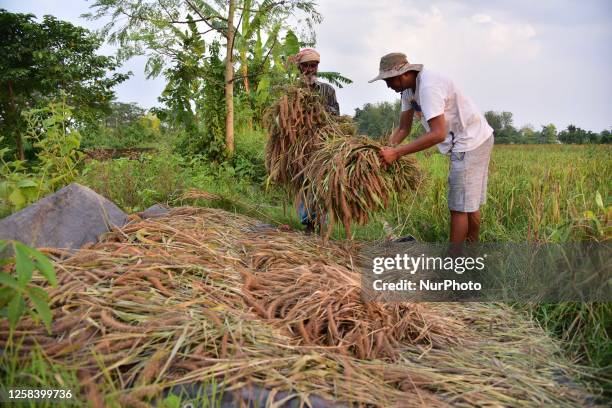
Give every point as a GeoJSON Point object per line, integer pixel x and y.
{"type": "Point", "coordinates": [509, 38]}
{"type": "Point", "coordinates": [526, 31]}
{"type": "Point", "coordinates": [477, 54]}
{"type": "Point", "coordinates": [481, 18]}
{"type": "Point", "coordinates": [533, 59]}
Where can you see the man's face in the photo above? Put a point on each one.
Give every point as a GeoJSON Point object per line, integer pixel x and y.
{"type": "Point", "coordinates": [396, 83]}
{"type": "Point", "coordinates": [309, 68]}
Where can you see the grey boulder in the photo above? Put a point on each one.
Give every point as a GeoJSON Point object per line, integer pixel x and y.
{"type": "Point", "coordinates": [69, 218]}
{"type": "Point", "coordinates": [154, 211]}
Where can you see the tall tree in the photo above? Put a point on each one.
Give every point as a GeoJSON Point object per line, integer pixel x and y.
{"type": "Point", "coordinates": [157, 29]}
{"type": "Point", "coordinates": [573, 135]}
{"type": "Point", "coordinates": [605, 137]}
{"type": "Point", "coordinates": [229, 78]}
{"type": "Point", "coordinates": [123, 113]}
{"type": "Point", "coordinates": [42, 60]}
{"type": "Point", "coordinates": [526, 135]}
{"type": "Point", "coordinates": [380, 119]}
{"type": "Point", "coordinates": [503, 129]}
{"type": "Point", "coordinates": [548, 134]}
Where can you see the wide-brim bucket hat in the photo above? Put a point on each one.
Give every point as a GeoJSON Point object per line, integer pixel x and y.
{"type": "Point", "coordinates": [394, 64]}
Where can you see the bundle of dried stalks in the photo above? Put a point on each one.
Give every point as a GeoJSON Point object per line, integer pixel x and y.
{"type": "Point", "coordinates": [347, 181]}
{"type": "Point", "coordinates": [320, 158]}
{"type": "Point", "coordinates": [294, 124]}
{"type": "Point", "coordinates": [201, 295]}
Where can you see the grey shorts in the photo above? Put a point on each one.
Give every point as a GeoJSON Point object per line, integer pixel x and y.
{"type": "Point", "coordinates": [467, 178]}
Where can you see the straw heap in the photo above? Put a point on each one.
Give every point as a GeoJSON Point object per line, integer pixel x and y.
{"type": "Point", "coordinates": [203, 295]}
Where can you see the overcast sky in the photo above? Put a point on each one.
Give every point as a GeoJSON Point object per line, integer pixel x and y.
{"type": "Point", "coordinates": [546, 61]}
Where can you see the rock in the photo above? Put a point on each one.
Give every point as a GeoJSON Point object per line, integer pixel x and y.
{"type": "Point", "coordinates": [69, 218]}
{"type": "Point", "coordinates": [248, 396]}
{"type": "Point", "coordinates": [154, 211]}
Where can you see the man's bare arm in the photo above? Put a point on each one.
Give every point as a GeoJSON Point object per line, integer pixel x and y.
{"type": "Point", "coordinates": [436, 135]}
{"type": "Point", "coordinates": [405, 126]}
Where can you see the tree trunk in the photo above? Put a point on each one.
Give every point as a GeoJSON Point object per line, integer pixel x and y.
{"type": "Point", "coordinates": [246, 24]}
{"type": "Point", "coordinates": [247, 85]}
{"type": "Point", "coordinates": [245, 73]}
{"type": "Point", "coordinates": [15, 119]}
{"type": "Point", "coordinates": [229, 81]}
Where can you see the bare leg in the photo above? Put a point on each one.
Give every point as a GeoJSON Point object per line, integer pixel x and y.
{"type": "Point", "coordinates": [459, 227]}
{"type": "Point", "coordinates": [473, 226]}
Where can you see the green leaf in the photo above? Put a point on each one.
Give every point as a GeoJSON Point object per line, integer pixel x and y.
{"type": "Point", "coordinates": [27, 183]}
{"type": "Point", "coordinates": [40, 299]}
{"type": "Point", "coordinates": [292, 44]}
{"type": "Point", "coordinates": [44, 265]}
{"type": "Point", "coordinates": [15, 309]}
{"type": "Point", "coordinates": [263, 90]}
{"type": "Point", "coordinates": [23, 264]}
{"type": "Point", "coordinates": [258, 48]}
{"type": "Point", "coordinates": [335, 78]}
{"type": "Point", "coordinates": [39, 292]}
{"type": "Point", "coordinates": [8, 280]}
{"type": "Point", "coordinates": [16, 198]}
{"type": "Point", "coordinates": [30, 194]}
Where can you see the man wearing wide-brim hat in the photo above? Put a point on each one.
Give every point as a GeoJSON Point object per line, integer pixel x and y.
{"type": "Point", "coordinates": [454, 123]}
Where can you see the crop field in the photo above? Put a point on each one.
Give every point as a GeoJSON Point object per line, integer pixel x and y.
{"type": "Point", "coordinates": [551, 193]}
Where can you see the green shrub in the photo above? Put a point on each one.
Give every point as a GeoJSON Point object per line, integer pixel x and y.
{"type": "Point", "coordinates": [137, 184]}
{"type": "Point", "coordinates": [17, 287]}
{"type": "Point", "coordinates": [249, 158]}
{"type": "Point", "coordinates": [56, 143]}
{"type": "Point", "coordinates": [131, 135]}
{"type": "Point", "coordinates": [17, 186]}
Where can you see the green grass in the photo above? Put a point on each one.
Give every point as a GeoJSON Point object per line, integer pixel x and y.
{"type": "Point", "coordinates": [583, 327]}
{"type": "Point", "coordinates": [38, 372]}
{"type": "Point", "coordinates": [535, 193]}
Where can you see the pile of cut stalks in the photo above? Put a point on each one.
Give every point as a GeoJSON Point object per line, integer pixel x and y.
{"type": "Point", "coordinates": [207, 296]}
{"type": "Point", "coordinates": [325, 165]}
